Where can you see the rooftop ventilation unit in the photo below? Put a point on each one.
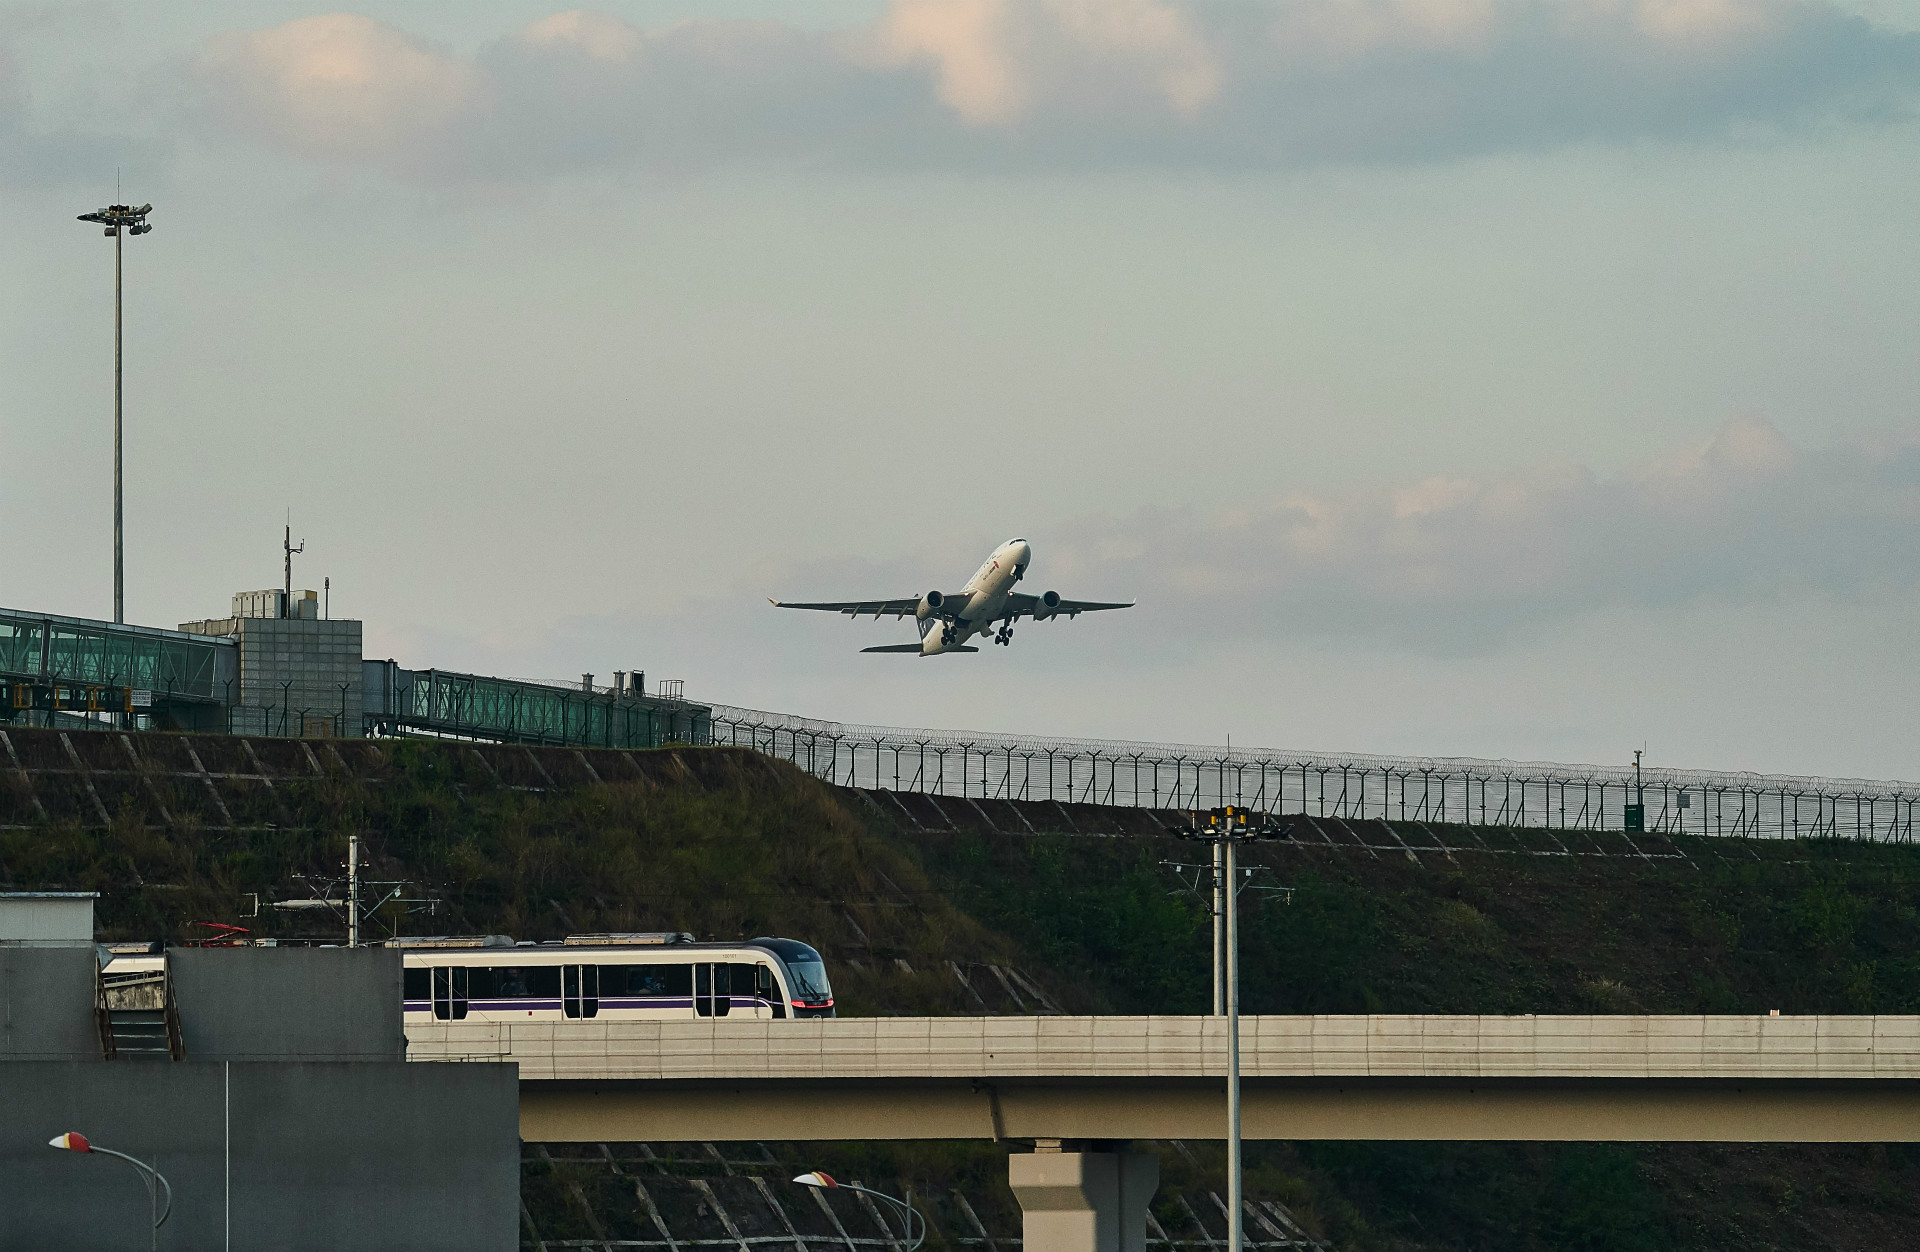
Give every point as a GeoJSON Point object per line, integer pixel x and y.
{"type": "Point", "coordinates": [451, 941]}
{"type": "Point", "coordinates": [648, 937]}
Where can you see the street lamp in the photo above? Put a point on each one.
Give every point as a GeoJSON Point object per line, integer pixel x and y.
{"type": "Point", "coordinates": [910, 1214]}
{"type": "Point", "coordinates": [120, 220]}
{"type": "Point", "coordinates": [74, 1141]}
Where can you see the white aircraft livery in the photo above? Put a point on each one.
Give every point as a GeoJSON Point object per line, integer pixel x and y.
{"type": "Point", "coordinates": [948, 619]}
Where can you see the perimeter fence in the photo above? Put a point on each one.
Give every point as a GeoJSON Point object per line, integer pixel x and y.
{"type": "Point", "coordinates": [1461, 790]}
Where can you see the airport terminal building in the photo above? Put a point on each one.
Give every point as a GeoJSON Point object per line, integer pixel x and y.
{"type": "Point", "coordinates": [275, 665]}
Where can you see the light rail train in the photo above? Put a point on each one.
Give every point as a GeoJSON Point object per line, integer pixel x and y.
{"type": "Point", "coordinates": [608, 977]}
{"type": "Point", "coordinates": [618, 977]}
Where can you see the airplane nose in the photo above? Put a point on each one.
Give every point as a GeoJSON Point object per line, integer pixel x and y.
{"type": "Point", "coordinates": [1022, 552]}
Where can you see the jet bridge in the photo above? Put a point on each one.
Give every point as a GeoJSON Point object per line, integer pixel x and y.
{"type": "Point", "coordinates": [54, 669]}
{"type": "Point", "coordinates": [511, 710]}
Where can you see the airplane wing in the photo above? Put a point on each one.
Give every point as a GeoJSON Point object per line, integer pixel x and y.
{"type": "Point", "coordinates": [1019, 604]}
{"type": "Point", "coordinates": [906, 607]}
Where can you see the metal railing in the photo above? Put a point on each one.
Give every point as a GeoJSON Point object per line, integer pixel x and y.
{"type": "Point", "coordinates": [1459, 790]}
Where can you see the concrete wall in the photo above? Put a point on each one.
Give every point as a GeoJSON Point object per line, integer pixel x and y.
{"type": "Point", "coordinates": [236, 1004]}
{"type": "Point", "coordinates": [46, 1005]}
{"type": "Point", "coordinates": [55, 918]}
{"type": "Point", "coordinates": [294, 1115]}
{"type": "Point", "coordinates": [325, 1157]}
{"type": "Point", "coordinates": [312, 1004]}
{"type": "Point", "coordinates": [313, 658]}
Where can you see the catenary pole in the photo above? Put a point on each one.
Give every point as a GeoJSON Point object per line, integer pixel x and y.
{"type": "Point", "coordinates": [1219, 954]}
{"type": "Point", "coordinates": [353, 891]}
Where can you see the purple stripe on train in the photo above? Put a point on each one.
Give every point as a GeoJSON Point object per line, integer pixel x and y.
{"type": "Point", "coordinates": [605, 1002]}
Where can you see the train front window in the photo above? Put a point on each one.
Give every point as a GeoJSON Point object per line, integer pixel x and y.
{"type": "Point", "coordinates": [810, 980]}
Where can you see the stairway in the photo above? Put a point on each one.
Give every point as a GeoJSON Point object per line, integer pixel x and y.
{"type": "Point", "coordinates": [137, 1017]}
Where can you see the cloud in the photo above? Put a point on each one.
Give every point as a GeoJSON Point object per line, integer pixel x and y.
{"type": "Point", "coordinates": [1229, 83]}
{"type": "Point", "coordinates": [1452, 563]}
{"type": "Point", "coordinates": [340, 87]}
{"type": "Point", "coordinates": [999, 61]}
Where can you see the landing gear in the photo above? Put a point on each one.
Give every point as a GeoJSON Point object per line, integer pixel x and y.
{"type": "Point", "coordinates": [946, 634]}
{"type": "Point", "coordinates": [1005, 635]}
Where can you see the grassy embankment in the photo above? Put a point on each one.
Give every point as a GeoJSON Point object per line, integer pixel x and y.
{"type": "Point", "coordinates": [729, 845]}
{"type": "Point", "coordinates": [1811, 927]}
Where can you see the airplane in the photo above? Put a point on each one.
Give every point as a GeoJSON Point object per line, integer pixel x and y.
{"type": "Point", "coordinates": [987, 598]}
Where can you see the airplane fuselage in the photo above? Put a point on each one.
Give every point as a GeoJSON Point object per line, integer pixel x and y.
{"type": "Point", "coordinates": [983, 601]}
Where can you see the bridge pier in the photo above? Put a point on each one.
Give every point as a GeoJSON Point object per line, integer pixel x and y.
{"type": "Point", "coordinates": [1074, 1200]}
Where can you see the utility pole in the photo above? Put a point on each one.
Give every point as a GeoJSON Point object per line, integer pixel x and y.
{"type": "Point", "coordinates": [353, 891]}
{"type": "Point", "coordinates": [286, 601]}
{"type": "Point", "coordinates": [345, 899]}
{"type": "Point", "coordinates": [1219, 930]}
{"type": "Point", "coordinates": [120, 220]}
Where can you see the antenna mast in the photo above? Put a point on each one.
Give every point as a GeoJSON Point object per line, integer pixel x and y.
{"type": "Point", "coordinates": [286, 601]}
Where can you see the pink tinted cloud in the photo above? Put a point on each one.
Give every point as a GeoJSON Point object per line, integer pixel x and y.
{"type": "Point", "coordinates": [1051, 82]}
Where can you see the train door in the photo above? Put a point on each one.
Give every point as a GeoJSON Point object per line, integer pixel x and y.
{"type": "Point", "coordinates": [712, 990]}
{"type": "Point", "coordinates": [580, 990]}
{"type": "Point", "coordinates": [766, 989]}
{"type": "Point", "coordinates": [449, 992]}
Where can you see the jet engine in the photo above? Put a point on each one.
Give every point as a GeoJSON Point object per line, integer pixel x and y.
{"type": "Point", "coordinates": [1046, 606]}
{"type": "Point", "coordinates": [930, 605]}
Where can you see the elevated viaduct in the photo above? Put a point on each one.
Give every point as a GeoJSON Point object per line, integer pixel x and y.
{"type": "Point", "coordinates": [1077, 1089]}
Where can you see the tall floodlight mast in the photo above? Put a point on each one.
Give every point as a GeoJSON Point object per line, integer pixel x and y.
{"type": "Point", "coordinates": [120, 220]}
{"type": "Point", "coordinates": [1226, 828]}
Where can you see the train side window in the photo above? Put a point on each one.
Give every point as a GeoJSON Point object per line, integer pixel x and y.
{"type": "Point", "coordinates": [483, 983]}
{"type": "Point", "coordinates": [526, 982]}
{"type": "Point", "coordinates": [580, 990]}
{"type": "Point", "coordinates": [646, 980]}
{"type": "Point", "coordinates": [450, 992]}
{"type": "Point", "coordinates": [415, 984]}
{"type": "Point", "coordinates": [712, 990]}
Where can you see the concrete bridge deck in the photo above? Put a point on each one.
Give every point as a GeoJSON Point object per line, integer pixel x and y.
{"type": "Point", "coordinates": [1726, 1078]}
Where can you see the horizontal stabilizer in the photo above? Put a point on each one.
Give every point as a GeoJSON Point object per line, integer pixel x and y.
{"type": "Point", "coordinates": [911, 647]}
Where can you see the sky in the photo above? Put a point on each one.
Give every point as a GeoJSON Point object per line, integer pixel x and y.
{"type": "Point", "coordinates": [1499, 378]}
